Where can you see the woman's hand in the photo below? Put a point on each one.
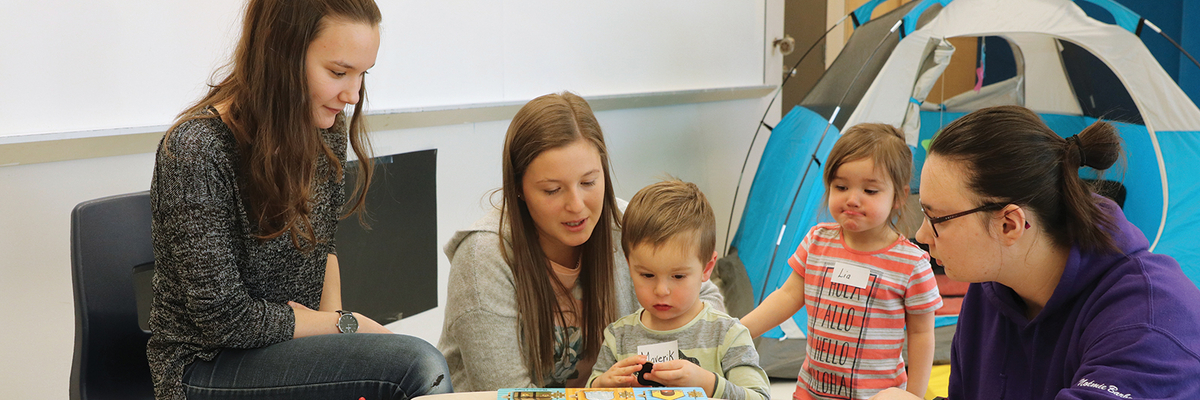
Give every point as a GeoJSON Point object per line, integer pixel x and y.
{"type": "Point", "coordinates": [894, 394]}
{"type": "Point", "coordinates": [684, 373]}
{"type": "Point", "coordinates": [310, 322]}
{"type": "Point", "coordinates": [621, 373]}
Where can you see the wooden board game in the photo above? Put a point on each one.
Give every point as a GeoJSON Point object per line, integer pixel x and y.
{"type": "Point", "coordinates": [692, 393]}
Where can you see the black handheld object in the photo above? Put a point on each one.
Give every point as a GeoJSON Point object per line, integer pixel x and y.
{"type": "Point", "coordinates": [647, 368]}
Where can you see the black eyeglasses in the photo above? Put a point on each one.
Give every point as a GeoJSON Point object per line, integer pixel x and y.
{"type": "Point", "coordinates": [986, 207]}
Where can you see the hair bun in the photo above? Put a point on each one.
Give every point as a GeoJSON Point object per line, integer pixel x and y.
{"type": "Point", "coordinates": [1099, 146]}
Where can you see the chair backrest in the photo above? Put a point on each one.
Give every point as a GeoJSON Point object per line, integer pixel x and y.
{"type": "Point", "coordinates": [109, 237]}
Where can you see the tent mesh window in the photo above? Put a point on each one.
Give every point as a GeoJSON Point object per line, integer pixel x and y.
{"type": "Point", "coordinates": [1101, 94]}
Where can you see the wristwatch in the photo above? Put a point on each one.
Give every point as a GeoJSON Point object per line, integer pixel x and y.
{"type": "Point", "coordinates": [346, 323]}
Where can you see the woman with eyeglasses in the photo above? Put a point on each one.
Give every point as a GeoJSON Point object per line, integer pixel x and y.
{"type": "Point", "coordinates": [1066, 301]}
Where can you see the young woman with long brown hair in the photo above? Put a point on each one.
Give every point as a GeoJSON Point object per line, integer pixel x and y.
{"type": "Point", "coordinates": [246, 195]}
{"type": "Point", "coordinates": [534, 282]}
{"type": "Point", "coordinates": [1066, 300]}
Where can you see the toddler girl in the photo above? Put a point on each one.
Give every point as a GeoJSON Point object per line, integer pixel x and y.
{"type": "Point", "coordinates": [865, 285]}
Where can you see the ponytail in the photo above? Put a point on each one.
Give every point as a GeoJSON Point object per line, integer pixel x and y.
{"type": "Point", "coordinates": [1013, 157]}
{"type": "Point", "coordinates": [1098, 146]}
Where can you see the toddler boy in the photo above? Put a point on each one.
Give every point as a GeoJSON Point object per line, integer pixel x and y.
{"type": "Point", "coordinates": [669, 238]}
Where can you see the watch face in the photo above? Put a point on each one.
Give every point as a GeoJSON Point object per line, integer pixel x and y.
{"type": "Point", "coordinates": [347, 323]}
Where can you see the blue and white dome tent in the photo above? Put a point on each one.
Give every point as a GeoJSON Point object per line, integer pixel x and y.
{"type": "Point", "coordinates": [1066, 66]}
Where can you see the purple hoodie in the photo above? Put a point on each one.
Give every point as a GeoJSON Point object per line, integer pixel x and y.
{"type": "Point", "coordinates": [1117, 327]}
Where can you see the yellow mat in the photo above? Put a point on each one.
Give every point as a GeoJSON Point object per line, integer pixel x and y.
{"type": "Point", "coordinates": [939, 382]}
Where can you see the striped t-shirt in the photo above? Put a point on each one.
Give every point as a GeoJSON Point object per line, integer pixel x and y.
{"type": "Point", "coordinates": [857, 303]}
{"type": "Point", "coordinates": [713, 340]}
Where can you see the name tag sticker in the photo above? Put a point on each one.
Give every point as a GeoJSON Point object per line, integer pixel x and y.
{"type": "Point", "coordinates": [851, 275]}
{"type": "Point", "coordinates": [660, 352]}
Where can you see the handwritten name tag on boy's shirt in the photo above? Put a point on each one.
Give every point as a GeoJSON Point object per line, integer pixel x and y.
{"type": "Point", "coordinates": [850, 275]}
{"type": "Point", "coordinates": [660, 352]}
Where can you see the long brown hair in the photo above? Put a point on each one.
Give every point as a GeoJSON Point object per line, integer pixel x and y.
{"type": "Point", "coordinates": [1011, 156]}
{"type": "Point", "coordinates": [549, 122]}
{"type": "Point", "coordinates": [885, 146]}
{"type": "Point", "coordinates": [270, 112]}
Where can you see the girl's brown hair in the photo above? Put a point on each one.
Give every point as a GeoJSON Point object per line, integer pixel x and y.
{"type": "Point", "coordinates": [549, 122]}
{"type": "Point", "coordinates": [885, 146]}
{"type": "Point", "coordinates": [270, 112]}
{"type": "Point", "coordinates": [1011, 156]}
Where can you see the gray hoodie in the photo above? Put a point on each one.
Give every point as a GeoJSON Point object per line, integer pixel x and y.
{"type": "Point", "coordinates": [479, 334]}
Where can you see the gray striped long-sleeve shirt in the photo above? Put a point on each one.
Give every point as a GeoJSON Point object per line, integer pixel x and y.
{"type": "Point", "coordinates": [714, 340]}
{"type": "Point", "coordinates": [216, 285]}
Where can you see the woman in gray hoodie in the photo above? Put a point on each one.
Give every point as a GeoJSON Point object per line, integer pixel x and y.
{"type": "Point", "coordinates": [534, 283]}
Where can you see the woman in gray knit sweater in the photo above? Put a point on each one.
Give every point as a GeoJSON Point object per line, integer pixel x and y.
{"type": "Point", "coordinates": [246, 195]}
{"type": "Point", "coordinates": [534, 283]}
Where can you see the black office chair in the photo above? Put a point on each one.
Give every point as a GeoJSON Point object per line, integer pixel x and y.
{"type": "Point", "coordinates": [110, 238]}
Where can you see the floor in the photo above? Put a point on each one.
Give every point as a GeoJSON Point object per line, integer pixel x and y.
{"type": "Point", "coordinates": [781, 389]}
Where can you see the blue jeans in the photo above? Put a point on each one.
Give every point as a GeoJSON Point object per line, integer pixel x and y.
{"type": "Point", "coordinates": [341, 366]}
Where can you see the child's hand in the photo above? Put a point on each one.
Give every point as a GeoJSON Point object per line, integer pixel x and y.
{"type": "Point", "coordinates": [684, 373]}
{"type": "Point", "coordinates": [621, 373]}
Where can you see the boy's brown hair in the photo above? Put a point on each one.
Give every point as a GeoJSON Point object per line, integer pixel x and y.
{"type": "Point", "coordinates": [663, 211]}
{"type": "Point", "coordinates": [885, 146]}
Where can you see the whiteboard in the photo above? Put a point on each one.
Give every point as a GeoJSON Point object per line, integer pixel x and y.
{"type": "Point", "coordinates": [76, 66]}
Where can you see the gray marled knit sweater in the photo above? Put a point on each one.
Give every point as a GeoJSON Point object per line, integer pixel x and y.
{"type": "Point", "coordinates": [215, 285]}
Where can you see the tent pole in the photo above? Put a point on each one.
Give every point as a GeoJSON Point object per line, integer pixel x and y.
{"type": "Point", "coordinates": [762, 122]}
{"type": "Point", "coordinates": [813, 157]}
{"type": "Point", "coordinates": [1177, 46]}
